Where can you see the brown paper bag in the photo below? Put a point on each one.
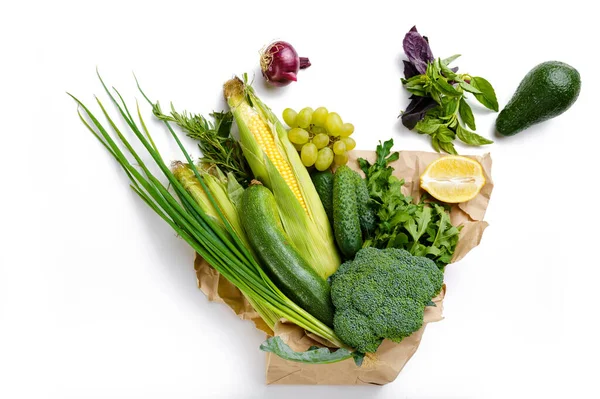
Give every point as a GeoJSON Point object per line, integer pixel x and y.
{"type": "Point", "coordinates": [385, 365]}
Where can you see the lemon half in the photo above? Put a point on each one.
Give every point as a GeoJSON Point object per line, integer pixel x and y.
{"type": "Point", "coordinates": [453, 179]}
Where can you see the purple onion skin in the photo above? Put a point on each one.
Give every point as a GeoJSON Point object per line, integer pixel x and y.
{"type": "Point", "coordinates": [280, 63]}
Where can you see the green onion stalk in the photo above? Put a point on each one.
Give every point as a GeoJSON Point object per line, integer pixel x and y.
{"type": "Point", "coordinates": [221, 247]}
{"type": "Point", "coordinates": [217, 186]}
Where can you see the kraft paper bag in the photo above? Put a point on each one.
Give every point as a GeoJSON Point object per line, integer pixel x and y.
{"type": "Point", "coordinates": [383, 366]}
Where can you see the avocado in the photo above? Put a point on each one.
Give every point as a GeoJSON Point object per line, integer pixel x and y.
{"type": "Point", "coordinates": [546, 91]}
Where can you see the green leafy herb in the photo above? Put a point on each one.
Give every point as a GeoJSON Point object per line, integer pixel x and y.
{"type": "Point", "coordinates": [470, 138]}
{"type": "Point", "coordinates": [438, 102]}
{"type": "Point", "coordinates": [215, 141]}
{"type": "Point", "coordinates": [487, 95]}
{"type": "Point", "coordinates": [466, 114]}
{"type": "Point", "coordinates": [314, 355]}
{"type": "Point", "coordinates": [424, 228]}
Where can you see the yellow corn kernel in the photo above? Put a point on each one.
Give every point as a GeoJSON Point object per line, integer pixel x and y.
{"type": "Point", "coordinates": [264, 137]}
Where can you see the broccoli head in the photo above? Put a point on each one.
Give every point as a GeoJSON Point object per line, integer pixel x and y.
{"type": "Point", "coordinates": [382, 293]}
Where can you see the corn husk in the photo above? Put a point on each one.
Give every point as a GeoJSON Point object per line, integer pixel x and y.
{"type": "Point", "coordinates": [308, 229]}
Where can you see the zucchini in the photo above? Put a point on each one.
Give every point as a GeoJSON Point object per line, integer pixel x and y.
{"type": "Point", "coordinates": [292, 274]}
{"type": "Point", "coordinates": [366, 214]}
{"type": "Point", "coordinates": [323, 182]}
{"type": "Point", "coordinates": [346, 223]}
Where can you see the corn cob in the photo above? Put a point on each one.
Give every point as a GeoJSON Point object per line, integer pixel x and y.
{"type": "Point", "coordinates": [276, 163]}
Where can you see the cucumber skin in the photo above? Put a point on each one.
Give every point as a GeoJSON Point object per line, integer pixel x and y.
{"type": "Point", "coordinates": [279, 258]}
{"type": "Point", "coordinates": [366, 214]}
{"type": "Point", "coordinates": [346, 223]}
{"type": "Point", "coordinates": [323, 182]}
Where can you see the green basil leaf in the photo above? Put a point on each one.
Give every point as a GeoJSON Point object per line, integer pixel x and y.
{"type": "Point", "coordinates": [435, 144]}
{"type": "Point", "coordinates": [470, 88]}
{"type": "Point", "coordinates": [449, 74]}
{"type": "Point", "coordinates": [446, 88]}
{"type": "Point", "coordinates": [438, 64]}
{"type": "Point", "coordinates": [432, 71]}
{"type": "Point", "coordinates": [471, 138]}
{"type": "Point", "coordinates": [435, 95]}
{"type": "Point", "coordinates": [428, 125]}
{"type": "Point", "coordinates": [417, 91]}
{"type": "Point", "coordinates": [445, 135]}
{"type": "Point", "coordinates": [417, 78]}
{"type": "Point", "coordinates": [466, 114]}
{"type": "Point", "coordinates": [488, 96]}
{"type": "Point", "coordinates": [449, 148]}
{"type": "Point", "coordinates": [447, 61]}
{"type": "Point", "coordinates": [312, 356]}
{"type": "Point", "coordinates": [450, 105]}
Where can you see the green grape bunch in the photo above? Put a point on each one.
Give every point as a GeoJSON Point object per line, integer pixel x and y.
{"type": "Point", "coordinates": [321, 137]}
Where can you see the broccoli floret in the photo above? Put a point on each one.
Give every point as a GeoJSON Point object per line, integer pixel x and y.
{"type": "Point", "coordinates": [382, 293]}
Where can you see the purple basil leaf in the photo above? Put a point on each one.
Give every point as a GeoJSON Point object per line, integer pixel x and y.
{"type": "Point", "coordinates": [417, 50]}
{"type": "Point", "coordinates": [455, 69]}
{"type": "Point", "coordinates": [416, 110]}
{"type": "Point", "coordinates": [409, 70]}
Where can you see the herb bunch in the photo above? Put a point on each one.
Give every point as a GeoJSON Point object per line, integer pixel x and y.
{"type": "Point", "coordinates": [438, 106]}
{"type": "Point", "coordinates": [423, 229]}
{"type": "Point", "coordinates": [218, 146]}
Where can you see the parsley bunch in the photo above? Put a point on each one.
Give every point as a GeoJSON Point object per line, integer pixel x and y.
{"type": "Point", "coordinates": [423, 229]}
{"type": "Point", "coordinates": [439, 107]}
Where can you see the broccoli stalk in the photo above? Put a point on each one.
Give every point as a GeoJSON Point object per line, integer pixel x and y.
{"type": "Point", "coordinates": [382, 294]}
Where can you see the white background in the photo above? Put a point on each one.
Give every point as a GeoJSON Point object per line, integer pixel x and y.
{"type": "Point", "coordinates": [98, 297]}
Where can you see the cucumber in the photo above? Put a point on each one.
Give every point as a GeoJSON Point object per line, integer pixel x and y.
{"type": "Point", "coordinates": [323, 182]}
{"type": "Point", "coordinates": [290, 272]}
{"type": "Point", "coordinates": [366, 214]}
{"type": "Point", "coordinates": [346, 223]}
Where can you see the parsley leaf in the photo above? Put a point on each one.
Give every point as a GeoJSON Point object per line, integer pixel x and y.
{"type": "Point", "coordinates": [423, 229]}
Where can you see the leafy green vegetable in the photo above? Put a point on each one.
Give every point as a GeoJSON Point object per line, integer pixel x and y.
{"type": "Point", "coordinates": [466, 114]}
{"type": "Point", "coordinates": [218, 147]}
{"type": "Point", "coordinates": [382, 293]}
{"type": "Point", "coordinates": [314, 354]}
{"type": "Point", "coordinates": [424, 228]}
{"type": "Point", "coordinates": [487, 95]}
{"type": "Point", "coordinates": [438, 102]}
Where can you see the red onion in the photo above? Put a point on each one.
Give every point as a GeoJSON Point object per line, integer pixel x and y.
{"type": "Point", "coordinates": [280, 63]}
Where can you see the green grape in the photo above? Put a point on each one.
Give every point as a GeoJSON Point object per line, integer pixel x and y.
{"type": "Point", "coordinates": [298, 147]}
{"type": "Point", "coordinates": [309, 154]}
{"type": "Point", "coordinates": [347, 129]}
{"type": "Point", "coordinates": [318, 129]}
{"type": "Point", "coordinates": [289, 117]}
{"type": "Point", "coordinates": [350, 143]}
{"type": "Point", "coordinates": [304, 117]}
{"type": "Point", "coordinates": [298, 136]}
{"type": "Point", "coordinates": [324, 159]}
{"type": "Point", "coordinates": [339, 147]}
{"type": "Point", "coordinates": [319, 116]}
{"type": "Point", "coordinates": [333, 124]}
{"type": "Point", "coordinates": [321, 140]}
{"type": "Point", "coordinates": [341, 159]}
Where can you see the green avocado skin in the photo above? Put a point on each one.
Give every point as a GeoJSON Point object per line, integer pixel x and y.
{"type": "Point", "coordinates": [547, 91]}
